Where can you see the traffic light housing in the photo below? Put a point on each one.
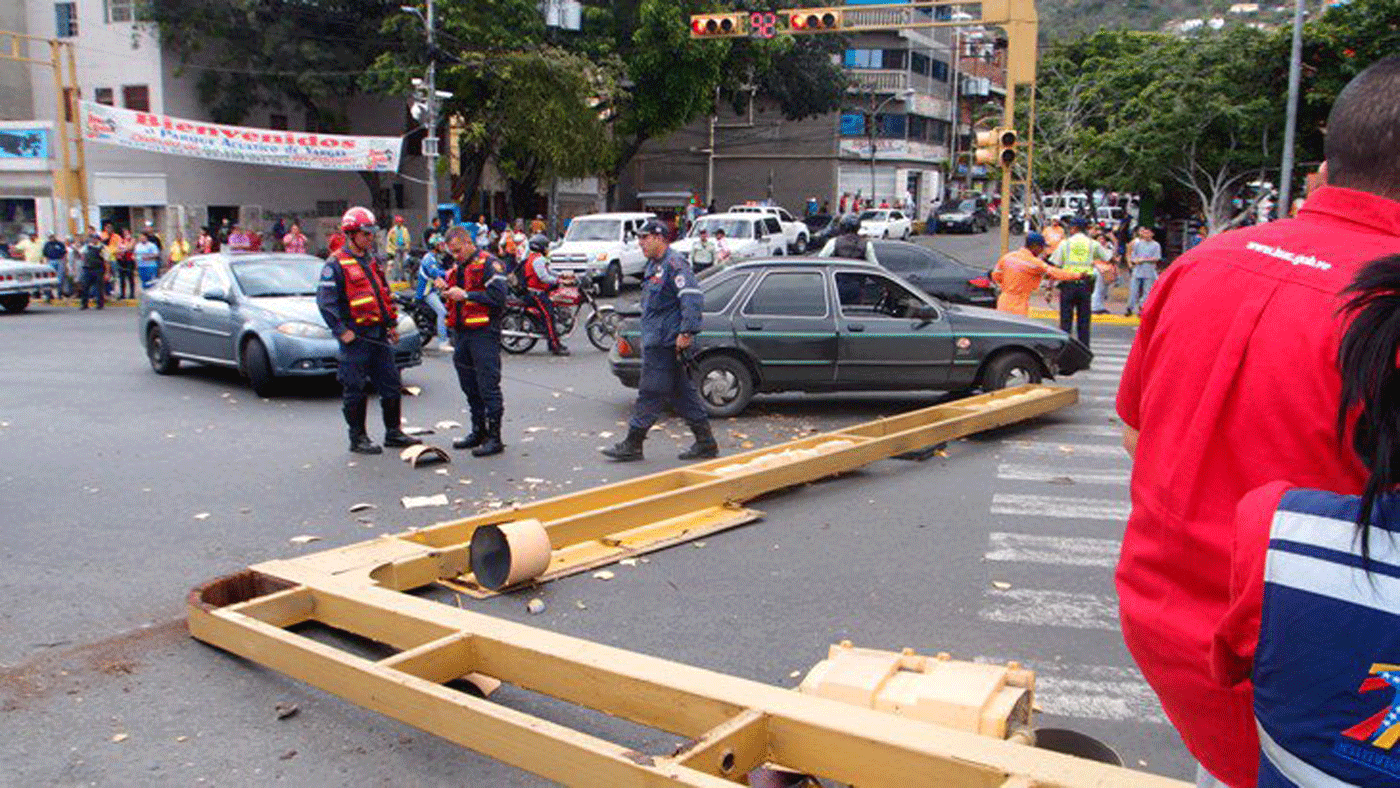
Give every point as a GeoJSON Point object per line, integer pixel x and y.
{"type": "Point", "coordinates": [811, 20]}
{"type": "Point", "coordinates": [719, 26]}
{"type": "Point", "coordinates": [996, 147]}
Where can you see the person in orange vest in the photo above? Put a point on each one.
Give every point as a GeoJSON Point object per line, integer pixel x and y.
{"type": "Point", "coordinates": [475, 289]}
{"type": "Point", "coordinates": [540, 281]}
{"type": "Point", "coordinates": [1019, 273]}
{"type": "Point", "coordinates": [355, 301]}
{"type": "Point", "coordinates": [1054, 234]}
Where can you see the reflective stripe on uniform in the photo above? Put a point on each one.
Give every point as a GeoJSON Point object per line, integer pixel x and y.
{"type": "Point", "coordinates": [1333, 534]}
{"type": "Point", "coordinates": [1330, 579]}
{"type": "Point", "coordinates": [691, 291]}
{"type": "Point", "coordinates": [1293, 768]}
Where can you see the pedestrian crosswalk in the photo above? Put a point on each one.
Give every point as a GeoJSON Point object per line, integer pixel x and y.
{"type": "Point", "coordinates": [1059, 505]}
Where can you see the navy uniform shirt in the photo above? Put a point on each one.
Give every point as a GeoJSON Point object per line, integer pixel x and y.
{"type": "Point", "coordinates": [671, 301]}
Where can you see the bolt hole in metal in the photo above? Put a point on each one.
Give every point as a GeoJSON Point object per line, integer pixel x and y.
{"type": "Point", "coordinates": [726, 761]}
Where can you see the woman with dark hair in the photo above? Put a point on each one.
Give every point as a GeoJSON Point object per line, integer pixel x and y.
{"type": "Point", "coordinates": [1314, 620]}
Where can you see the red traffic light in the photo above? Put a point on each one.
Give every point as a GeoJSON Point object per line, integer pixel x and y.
{"type": "Point", "coordinates": [813, 20]}
{"type": "Point", "coordinates": [717, 26]}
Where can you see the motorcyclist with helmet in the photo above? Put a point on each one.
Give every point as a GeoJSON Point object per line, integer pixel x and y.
{"type": "Point", "coordinates": [539, 282]}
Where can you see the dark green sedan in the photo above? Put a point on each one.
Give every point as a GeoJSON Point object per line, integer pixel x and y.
{"type": "Point", "coordinates": [823, 325]}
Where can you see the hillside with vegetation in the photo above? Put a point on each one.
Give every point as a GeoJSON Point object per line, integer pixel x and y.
{"type": "Point", "coordinates": [1067, 18]}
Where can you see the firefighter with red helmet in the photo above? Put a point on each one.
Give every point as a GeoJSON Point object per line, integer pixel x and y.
{"type": "Point", "coordinates": [474, 289]}
{"type": "Point", "coordinates": [540, 281]}
{"type": "Point", "coordinates": [356, 303]}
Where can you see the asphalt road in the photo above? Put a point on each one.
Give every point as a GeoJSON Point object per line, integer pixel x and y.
{"type": "Point", "coordinates": [125, 489]}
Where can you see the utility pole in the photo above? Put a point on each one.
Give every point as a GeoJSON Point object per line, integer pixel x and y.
{"type": "Point", "coordinates": [430, 141]}
{"type": "Point", "coordinates": [1290, 129]}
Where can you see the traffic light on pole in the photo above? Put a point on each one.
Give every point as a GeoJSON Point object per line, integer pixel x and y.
{"type": "Point", "coordinates": [811, 20]}
{"type": "Point", "coordinates": [996, 147]}
{"type": "Point", "coordinates": [719, 26]}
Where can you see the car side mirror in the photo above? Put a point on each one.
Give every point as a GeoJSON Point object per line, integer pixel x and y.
{"type": "Point", "coordinates": [216, 294]}
{"type": "Point", "coordinates": [925, 314]}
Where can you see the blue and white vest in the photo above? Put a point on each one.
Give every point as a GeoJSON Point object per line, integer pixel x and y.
{"type": "Point", "coordinates": [1327, 667]}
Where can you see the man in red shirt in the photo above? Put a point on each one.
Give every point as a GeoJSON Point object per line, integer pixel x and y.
{"type": "Point", "coordinates": [1232, 383]}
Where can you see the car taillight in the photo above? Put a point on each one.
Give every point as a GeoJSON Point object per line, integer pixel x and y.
{"type": "Point", "coordinates": [624, 347]}
{"type": "Point", "coordinates": [980, 281]}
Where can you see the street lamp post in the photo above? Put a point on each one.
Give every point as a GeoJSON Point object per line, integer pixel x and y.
{"type": "Point", "coordinates": [870, 131]}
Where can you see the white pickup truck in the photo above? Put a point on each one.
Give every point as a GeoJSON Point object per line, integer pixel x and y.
{"type": "Point", "coordinates": [602, 247]}
{"type": "Point", "coordinates": [19, 281]}
{"type": "Point", "coordinates": [795, 233]}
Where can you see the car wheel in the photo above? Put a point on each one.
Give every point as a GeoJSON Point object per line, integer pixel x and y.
{"type": "Point", "coordinates": [258, 368]}
{"type": "Point", "coordinates": [800, 248]}
{"type": "Point", "coordinates": [612, 280]}
{"type": "Point", "coordinates": [1014, 368]}
{"type": "Point", "coordinates": [905, 237]}
{"type": "Point", "coordinates": [15, 303]}
{"type": "Point", "coordinates": [725, 384]}
{"type": "Point", "coordinates": [158, 352]}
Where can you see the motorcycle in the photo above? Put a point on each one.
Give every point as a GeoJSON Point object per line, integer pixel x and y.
{"type": "Point", "coordinates": [522, 326]}
{"type": "Point", "coordinates": [423, 315]}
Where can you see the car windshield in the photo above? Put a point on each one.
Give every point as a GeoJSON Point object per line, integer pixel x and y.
{"type": "Point", "coordinates": [733, 228]}
{"type": "Point", "coordinates": [278, 277]}
{"type": "Point", "coordinates": [594, 230]}
{"type": "Point", "coordinates": [875, 215]}
{"type": "Point", "coordinates": [967, 206]}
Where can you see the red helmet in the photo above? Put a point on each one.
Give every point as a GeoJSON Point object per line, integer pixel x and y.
{"type": "Point", "coordinates": [357, 218]}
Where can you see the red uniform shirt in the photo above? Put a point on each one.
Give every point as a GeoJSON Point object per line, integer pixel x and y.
{"type": "Point", "coordinates": [1237, 634]}
{"type": "Point", "coordinates": [1232, 383]}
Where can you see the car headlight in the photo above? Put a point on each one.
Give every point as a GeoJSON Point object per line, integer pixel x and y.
{"type": "Point", "coordinates": [601, 256]}
{"type": "Point", "coordinates": [300, 328]}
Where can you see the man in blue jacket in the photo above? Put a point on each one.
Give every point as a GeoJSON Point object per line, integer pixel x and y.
{"type": "Point", "coordinates": [671, 305]}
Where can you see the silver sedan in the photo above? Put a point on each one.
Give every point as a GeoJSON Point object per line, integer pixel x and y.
{"type": "Point", "coordinates": [255, 312]}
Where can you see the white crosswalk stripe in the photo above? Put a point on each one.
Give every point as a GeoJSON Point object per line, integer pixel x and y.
{"type": "Point", "coordinates": [1113, 376]}
{"type": "Point", "coordinates": [1091, 430]}
{"type": "Point", "coordinates": [1046, 608]}
{"type": "Point", "coordinates": [1060, 474]}
{"type": "Point", "coordinates": [1056, 550]}
{"type": "Point", "coordinates": [1097, 413]}
{"type": "Point", "coordinates": [1098, 399]}
{"type": "Point", "coordinates": [1068, 450]}
{"type": "Point", "coordinates": [1091, 692]}
{"type": "Point", "coordinates": [1055, 506]}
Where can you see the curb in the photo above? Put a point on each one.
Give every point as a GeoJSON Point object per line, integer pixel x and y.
{"type": "Point", "coordinates": [1108, 320]}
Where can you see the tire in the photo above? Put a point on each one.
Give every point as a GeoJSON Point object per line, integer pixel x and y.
{"type": "Point", "coordinates": [15, 303]}
{"type": "Point", "coordinates": [515, 320]}
{"type": "Point", "coordinates": [800, 248]}
{"type": "Point", "coordinates": [611, 283]}
{"type": "Point", "coordinates": [906, 235]}
{"type": "Point", "coordinates": [1013, 368]}
{"type": "Point", "coordinates": [258, 368]}
{"type": "Point", "coordinates": [726, 385]}
{"type": "Point", "coordinates": [158, 352]}
{"type": "Point", "coordinates": [602, 327]}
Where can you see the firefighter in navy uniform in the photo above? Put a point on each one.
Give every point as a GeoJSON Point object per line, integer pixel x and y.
{"type": "Point", "coordinates": [475, 289]}
{"type": "Point", "coordinates": [539, 282]}
{"type": "Point", "coordinates": [671, 306]}
{"type": "Point", "coordinates": [356, 304]}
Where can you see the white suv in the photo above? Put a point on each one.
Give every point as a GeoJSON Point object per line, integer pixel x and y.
{"type": "Point", "coordinates": [746, 235]}
{"type": "Point", "coordinates": [795, 233]}
{"type": "Point", "coordinates": [603, 247]}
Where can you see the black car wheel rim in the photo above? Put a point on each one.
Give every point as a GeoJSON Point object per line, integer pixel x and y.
{"type": "Point", "coordinates": [720, 387]}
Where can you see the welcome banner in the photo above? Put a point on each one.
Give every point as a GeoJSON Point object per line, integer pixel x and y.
{"type": "Point", "coordinates": [205, 140]}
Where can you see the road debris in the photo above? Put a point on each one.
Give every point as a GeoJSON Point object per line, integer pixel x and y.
{"type": "Point", "coordinates": [202, 516]}
{"type": "Point", "coordinates": [420, 501]}
{"type": "Point", "coordinates": [1001, 585]}
{"type": "Point", "coordinates": [119, 738]}
{"type": "Point", "coordinates": [447, 424]}
{"type": "Point", "coordinates": [535, 606]}
{"type": "Point", "coordinates": [304, 539]}
{"type": "Point", "coordinates": [604, 575]}
{"type": "Point", "coordinates": [285, 709]}
{"type": "Point", "coordinates": [362, 507]}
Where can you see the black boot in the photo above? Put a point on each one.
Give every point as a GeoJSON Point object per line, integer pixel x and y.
{"type": "Point", "coordinates": [559, 350]}
{"type": "Point", "coordinates": [359, 439]}
{"type": "Point", "coordinates": [492, 444]}
{"type": "Point", "coordinates": [630, 449]}
{"type": "Point", "coordinates": [704, 447]}
{"type": "Point", "coordinates": [394, 436]}
{"type": "Point", "coordinates": [474, 439]}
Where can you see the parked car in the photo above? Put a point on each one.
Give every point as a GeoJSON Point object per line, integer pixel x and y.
{"type": "Point", "coordinates": [20, 281]}
{"type": "Point", "coordinates": [939, 274]}
{"type": "Point", "coordinates": [252, 311]}
{"type": "Point", "coordinates": [602, 247]}
{"type": "Point", "coordinates": [968, 215]}
{"type": "Point", "coordinates": [794, 232]}
{"type": "Point", "coordinates": [819, 324]}
{"type": "Point", "coordinates": [821, 228]}
{"type": "Point", "coordinates": [886, 223]}
{"type": "Point", "coordinates": [746, 235]}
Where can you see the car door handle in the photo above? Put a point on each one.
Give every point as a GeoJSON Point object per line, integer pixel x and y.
{"type": "Point", "coordinates": [754, 326]}
{"type": "Point", "coordinates": [855, 327]}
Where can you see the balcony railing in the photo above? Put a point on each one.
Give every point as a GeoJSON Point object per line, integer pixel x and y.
{"type": "Point", "coordinates": [878, 80]}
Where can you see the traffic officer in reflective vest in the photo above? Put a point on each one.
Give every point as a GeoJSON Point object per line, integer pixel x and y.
{"type": "Point", "coordinates": [475, 291]}
{"type": "Point", "coordinates": [1076, 254]}
{"type": "Point", "coordinates": [539, 282]}
{"type": "Point", "coordinates": [356, 304]}
{"type": "Point", "coordinates": [671, 305]}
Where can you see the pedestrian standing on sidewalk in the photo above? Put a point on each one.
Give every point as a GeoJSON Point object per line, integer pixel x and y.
{"type": "Point", "coordinates": [1144, 255]}
{"type": "Point", "coordinates": [1020, 272]}
{"type": "Point", "coordinates": [279, 230]}
{"type": "Point", "coordinates": [1231, 384]}
{"type": "Point", "coordinates": [671, 305]}
{"type": "Point", "coordinates": [1077, 255]}
{"type": "Point", "coordinates": [147, 260]}
{"type": "Point", "coordinates": [354, 300]}
{"type": "Point", "coordinates": [55, 253]}
{"type": "Point", "coordinates": [294, 241]}
{"type": "Point", "coordinates": [126, 265]}
{"type": "Point", "coordinates": [205, 242]}
{"type": "Point", "coordinates": [239, 240]}
{"type": "Point", "coordinates": [1105, 271]}
{"type": "Point", "coordinates": [97, 272]}
{"type": "Point", "coordinates": [474, 289]}
{"type": "Point", "coordinates": [396, 244]}
{"type": "Point", "coordinates": [179, 249]}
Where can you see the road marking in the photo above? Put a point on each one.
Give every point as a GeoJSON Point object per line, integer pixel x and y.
{"type": "Point", "coordinates": [1113, 376]}
{"type": "Point", "coordinates": [1055, 506]}
{"type": "Point", "coordinates": [1111, 388]}
{"type": "Point", "coordinates": [1061, 474]}
{"type": "Point", "coordinates": [1044, 449]}
{"type": "Point", "coordinates": [1040, 608]}
{"type": "Point", "coordinates": [1091, 692]}
{"type": "Point", "coordinates": [1098, 399]}
{"type": "Point", "coordinates": [1091, 430]}
{"type": "Point", "coordinates": [1057, 550]}
{"type": "Point", "coordinates": [1099, 413]}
